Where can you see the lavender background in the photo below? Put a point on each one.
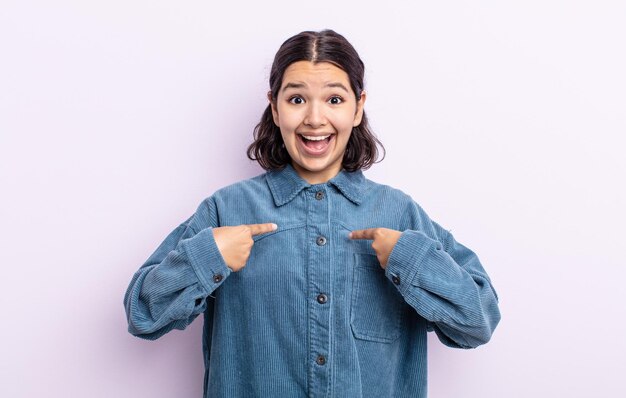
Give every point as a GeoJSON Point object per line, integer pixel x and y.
{"type": "Point", "coordinates": [504, 120]}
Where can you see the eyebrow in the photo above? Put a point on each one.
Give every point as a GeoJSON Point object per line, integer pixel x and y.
{"type": "Point", "coordinates": [302, 85]}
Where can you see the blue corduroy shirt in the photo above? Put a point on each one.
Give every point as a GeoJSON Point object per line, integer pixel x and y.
{"type": "Point", "coordinates": [313, 313]}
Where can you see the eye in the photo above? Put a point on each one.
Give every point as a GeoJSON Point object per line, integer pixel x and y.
{"type": "Point", "coordinates": [336, 100]}
{"type": "Point", "coordinates": [296, 100]}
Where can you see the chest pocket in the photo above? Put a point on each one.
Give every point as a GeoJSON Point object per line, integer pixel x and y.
{"type": "Point", "coordinates": [377, 307]}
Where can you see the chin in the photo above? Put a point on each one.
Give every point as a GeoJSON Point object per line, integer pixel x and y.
{"type": "Point", "coordinates": [315, 166]}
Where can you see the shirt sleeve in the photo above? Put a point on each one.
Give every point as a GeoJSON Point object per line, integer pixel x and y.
{"type": "Point", "coordinates": [444, 282]}
{"type": "Point", "coordinates": [174, 284]}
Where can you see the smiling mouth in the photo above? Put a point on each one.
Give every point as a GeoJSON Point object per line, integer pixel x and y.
{"type": "Point", "coordinates": [316, 144]}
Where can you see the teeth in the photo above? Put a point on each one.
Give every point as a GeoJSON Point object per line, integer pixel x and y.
{"type": "Point", "coordinates": [314, 138]}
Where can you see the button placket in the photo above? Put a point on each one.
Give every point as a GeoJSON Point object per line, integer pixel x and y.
{"type": "Point", "coordinates": [319, 283]}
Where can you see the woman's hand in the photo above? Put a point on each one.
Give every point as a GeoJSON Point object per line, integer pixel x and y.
{"type": "Point", "coordinates": [235, 243]}
{"type": "Point", "coordinates": [384, 239]}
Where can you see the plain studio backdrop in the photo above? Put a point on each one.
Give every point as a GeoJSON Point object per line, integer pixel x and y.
{"type": "Point", "coordinates": [504, 120]}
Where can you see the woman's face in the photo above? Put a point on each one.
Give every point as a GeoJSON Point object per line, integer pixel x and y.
{"type": "Point", "coordinates": [316, 110]}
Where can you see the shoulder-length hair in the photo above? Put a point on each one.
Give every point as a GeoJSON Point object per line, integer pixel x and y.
{"type": "Point", "coordinates": [325, 46]}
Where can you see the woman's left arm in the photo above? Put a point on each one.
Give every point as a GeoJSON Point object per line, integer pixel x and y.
{"type": "Point", "coordinates": [440, 278]}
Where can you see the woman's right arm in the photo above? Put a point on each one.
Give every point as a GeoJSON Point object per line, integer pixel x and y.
{"type": "Point", "coordinates": [173, 286]}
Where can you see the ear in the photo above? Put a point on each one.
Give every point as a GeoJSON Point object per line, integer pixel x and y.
{"type": "Point", "coordinates": [358, 117]}
{"type": "Point", "coordinates": [273, 105]}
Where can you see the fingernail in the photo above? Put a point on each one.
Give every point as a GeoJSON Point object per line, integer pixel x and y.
{"type": "Point", "coordinates": [350, 235]}
{"type": "Point", "coordinates": [274, 226]}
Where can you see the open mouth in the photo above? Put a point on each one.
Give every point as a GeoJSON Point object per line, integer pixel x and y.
{"type": "Point", "coordinates": [316, 144]}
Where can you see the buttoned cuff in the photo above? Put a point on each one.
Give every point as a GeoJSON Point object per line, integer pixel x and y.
{"type": "Point", "coordinates": [206, 259]}
{"type": "Point", "coordinates": [407, 258]}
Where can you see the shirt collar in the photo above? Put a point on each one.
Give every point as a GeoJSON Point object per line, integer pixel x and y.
{"type": "Point", "coordinates": [286, 183]}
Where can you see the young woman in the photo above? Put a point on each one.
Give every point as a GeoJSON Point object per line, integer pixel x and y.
{"type": "Point", "coordinates": [314, 280]}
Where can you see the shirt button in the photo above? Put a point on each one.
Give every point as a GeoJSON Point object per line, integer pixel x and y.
{"type": "Point", "coordinates": [321, 241]}
{"type": "Point", "coordinates": [217, 278]}
{"type": "Point", "coordinates": [395, 279]}
{"type": "Point", "coordinates": [322, 298]}
{"type": "Point", "coordinates": [319, 195]}
{"type": "Point", "coordinates": [321, 360]}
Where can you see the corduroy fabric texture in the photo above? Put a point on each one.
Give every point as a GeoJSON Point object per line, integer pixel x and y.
{"type": "Point", "coordinates": [311, 317]}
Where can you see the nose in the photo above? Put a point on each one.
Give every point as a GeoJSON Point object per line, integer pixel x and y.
{"type": "Point", "coordinates": [315, 116]}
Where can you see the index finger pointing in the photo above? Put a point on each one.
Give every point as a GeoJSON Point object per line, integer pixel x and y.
{"type": "Point", "coordinates": [257, 229]}
{"type": "Point", "coordinates": [362, 234]}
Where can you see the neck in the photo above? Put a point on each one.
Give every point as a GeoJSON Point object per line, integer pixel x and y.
{"type": "Point", "coordinates": [316, 177]}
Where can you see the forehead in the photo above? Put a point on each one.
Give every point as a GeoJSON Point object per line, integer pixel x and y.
{"type": "Point", "coordinates": [315, 73]}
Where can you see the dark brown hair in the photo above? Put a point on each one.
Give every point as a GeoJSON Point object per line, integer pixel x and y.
{"type": "Point", "coordinates": [325, 46]}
